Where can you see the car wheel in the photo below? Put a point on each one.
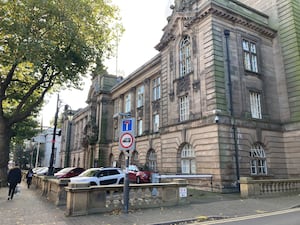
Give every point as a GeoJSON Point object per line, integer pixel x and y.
{"type": "Point", "coordinates": [93, 184]}
{"type": "Point", "coordinates": [138, 180]}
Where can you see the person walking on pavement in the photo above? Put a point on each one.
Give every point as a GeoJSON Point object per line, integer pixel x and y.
{"type": "Point", "coordinates": [14, 177]}
{"type": "Point", "coordinates": [29, 176]}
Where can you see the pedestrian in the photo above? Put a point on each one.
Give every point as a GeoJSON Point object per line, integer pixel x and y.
{"type": "Point", "coordinates": [29, 176]}
{"type": "Point", "coordinates": [14, 177]}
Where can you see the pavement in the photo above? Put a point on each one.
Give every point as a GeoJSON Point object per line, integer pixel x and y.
{"type": "Point", "coordinates": [30, 208]}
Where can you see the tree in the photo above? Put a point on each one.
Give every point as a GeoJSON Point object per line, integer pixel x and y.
{"type": "Point", "coordinates": [46, 45]}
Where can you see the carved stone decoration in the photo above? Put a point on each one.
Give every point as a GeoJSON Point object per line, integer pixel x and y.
{"type": "Point", "coordinates": [156, 106]}
{"type": "Point", "coordinates": [140, 112]}
{"type": "Point", "coordinates": [91, 132]}
{"type": "Point", "coordinates": [183, 84]}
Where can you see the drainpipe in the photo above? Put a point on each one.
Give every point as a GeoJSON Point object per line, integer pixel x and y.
{"type": "Point", "coordinates": [234, 129]}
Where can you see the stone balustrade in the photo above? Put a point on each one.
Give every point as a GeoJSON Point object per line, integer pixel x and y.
{"type": "Point", "coordinates": [82, 199]}
{"type": "Point", "coordinates": [251, 187]}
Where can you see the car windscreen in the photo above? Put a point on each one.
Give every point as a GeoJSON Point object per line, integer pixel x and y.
{"type": "Point", "coordinates": [89, 173]}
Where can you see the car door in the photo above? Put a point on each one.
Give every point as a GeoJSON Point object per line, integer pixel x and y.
{"type": "Point", "coordinates": [109, 176]}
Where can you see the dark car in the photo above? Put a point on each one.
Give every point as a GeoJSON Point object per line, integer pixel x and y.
{"type": "Point", "coordinates": [69, 172]}
{"type": "Point", "coordinates": [137, 175]}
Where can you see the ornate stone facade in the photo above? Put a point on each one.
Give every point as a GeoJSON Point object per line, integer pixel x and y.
{"type": "Point", "coordinates": [220, 98]}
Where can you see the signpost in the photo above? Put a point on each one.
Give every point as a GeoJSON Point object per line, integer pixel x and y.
{"type": "Point", "coordinates": [127, 143]}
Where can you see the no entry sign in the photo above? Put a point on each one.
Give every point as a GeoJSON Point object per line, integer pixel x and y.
{"type": "Point", "coordinates": [126, 141]}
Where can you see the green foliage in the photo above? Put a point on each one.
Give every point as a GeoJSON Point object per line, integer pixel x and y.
{"type": "Point", "coordinates": [46, 45]}
{"type": "Point", "coordinates": [25, 129]}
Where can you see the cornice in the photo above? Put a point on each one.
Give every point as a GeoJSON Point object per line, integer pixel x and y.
{"type": "Point", "coordinates": [212, 9]}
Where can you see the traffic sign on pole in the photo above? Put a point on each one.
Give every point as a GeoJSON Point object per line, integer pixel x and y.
{"type": "Point", "coordinates": [127, 125]}
{"type": "Point", "coordinates": [127, 141]}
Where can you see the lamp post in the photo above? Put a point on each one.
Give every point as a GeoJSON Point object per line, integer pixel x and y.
{"type": "Point", "coordinates": [68, 116]}
{"type": "Point", "coordinates": [51, 169]}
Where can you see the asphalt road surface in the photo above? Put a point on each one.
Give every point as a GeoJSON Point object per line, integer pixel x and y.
{"type": "Point", "coordinates": [284, 217]}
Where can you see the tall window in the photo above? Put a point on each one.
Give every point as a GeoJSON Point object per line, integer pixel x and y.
{"type": "Point", "coordinates": [156, 123]}
{"type": "Point", "coordinates": [250, 56]}
{"type": "Point", "coordinates": [127, 103]}
{"type": "Point", "coordinates": [140, 128]}
{"type": "Point", "coordinates": [184, 110]}
{"type": "Point", "coordinates": [140, 96]}
{"type": "Point", "coordinates": [185, 64]}
{"type": "Point", "coordinates": [151, 160]}
{"type": "Point", "coordinates": [258, 161]}
{"type": "Point", "coordinates": [255, 104]}
{"type": "Point", "coordinates": [188, 160]}
{"type": "Point", "coordinates": [156, 89]}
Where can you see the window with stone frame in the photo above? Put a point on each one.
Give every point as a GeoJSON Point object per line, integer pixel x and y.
{"type": "Point", "coordinates": [140, 127]}
{"type": "Point", "coordinates": [185, 58]}
{"type": "Point", "coordinates": [151, 160]}
{"type": "Point", "coordinates": [250, 56]}
{"type": "Point", "coordinates": [156, 89]}
{"type": "Point", "coordinates": [255, 105]}
{"type": "Point", "coordinates": [184, 109]}
{"type": "Point", "coordinates": [127, 103]}
{"type": "Point", "coordinates": [258, 160]}
{"type": "Point", "coordinates": [140, 96]}
{"type": "Point", "coordinates": [188, 160]}
{"type": "Point", "coordinates": [156, 123]}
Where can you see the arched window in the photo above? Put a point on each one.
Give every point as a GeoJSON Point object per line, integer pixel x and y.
{"type": "Point", "coordinates": [151, 160]}
{"type": "Point", "coordinates": [185, 61]}
{"type": "Point", "coordinates": [135, 158]}
{"type": "Point", "coordinates": [122, 160]}
{"type": "Point", "coordinates": [258, 161]}
{"type": "Point", "coordinates": [188, 160]}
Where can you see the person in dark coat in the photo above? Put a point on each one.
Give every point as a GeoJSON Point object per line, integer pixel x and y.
{"type": "Point", "coordinates": [29, 176]}
{"type": "Point", "coordinates": [14, 177]}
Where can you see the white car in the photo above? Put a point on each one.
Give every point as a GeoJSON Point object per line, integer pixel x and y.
{"type": "Point", "coordinates": [41, 170]}
{"type": "Point", "coordinates": [100, 176]}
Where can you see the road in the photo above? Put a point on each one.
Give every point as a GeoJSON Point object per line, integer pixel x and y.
{"type": "Point", "coordinates": [286, 217]}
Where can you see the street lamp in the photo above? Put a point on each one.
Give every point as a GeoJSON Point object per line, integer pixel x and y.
{"type": "Point", "coordinates": [68, 113]}
{"type": "Point", "coordinates": [51, 169]}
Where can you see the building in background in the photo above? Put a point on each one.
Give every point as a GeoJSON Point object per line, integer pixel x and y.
{"type": "Point", "coordinates": [41, 145]}
{"type": "Point", "coordinates": [222, 97]}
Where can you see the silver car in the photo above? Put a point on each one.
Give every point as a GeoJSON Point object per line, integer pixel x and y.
{"type": "Point", "coordinates": [100, 176]}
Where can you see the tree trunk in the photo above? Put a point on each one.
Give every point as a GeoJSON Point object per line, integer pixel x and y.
{"type": "Point", "coordinates": [5, 136]}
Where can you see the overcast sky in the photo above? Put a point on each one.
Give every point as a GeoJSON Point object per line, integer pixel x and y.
{"type": "Point", "coordinates": [143, 21]}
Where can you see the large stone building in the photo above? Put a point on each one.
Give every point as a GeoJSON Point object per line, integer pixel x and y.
{"type": "Point", "coordinates": [222, 96]}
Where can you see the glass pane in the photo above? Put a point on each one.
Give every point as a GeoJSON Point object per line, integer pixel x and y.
{"type": "Point", "coordinates": [253, 48]}
{"type": "Point", "coordinates": [245, 45]}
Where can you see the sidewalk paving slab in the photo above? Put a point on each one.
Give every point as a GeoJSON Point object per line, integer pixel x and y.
{"type": "Point", "coordinates": [30, 208]}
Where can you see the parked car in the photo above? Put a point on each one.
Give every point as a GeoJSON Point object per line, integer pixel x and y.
{"type": "Point", "coordinates": [137, 175]}
{"type": "Point", "coordinates": [40, 170]}
{"type": "Point", "coordinates": [69, 172]}
{"type": "Point", "coordinates": [100, 176]}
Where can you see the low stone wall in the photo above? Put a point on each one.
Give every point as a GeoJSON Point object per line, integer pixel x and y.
{"type": "Point", "coordinates": [53, 189]}
{"type": "Point", "coordinates": [251, 187]}
{"type": "Point", "coordinates": [83, 200]}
